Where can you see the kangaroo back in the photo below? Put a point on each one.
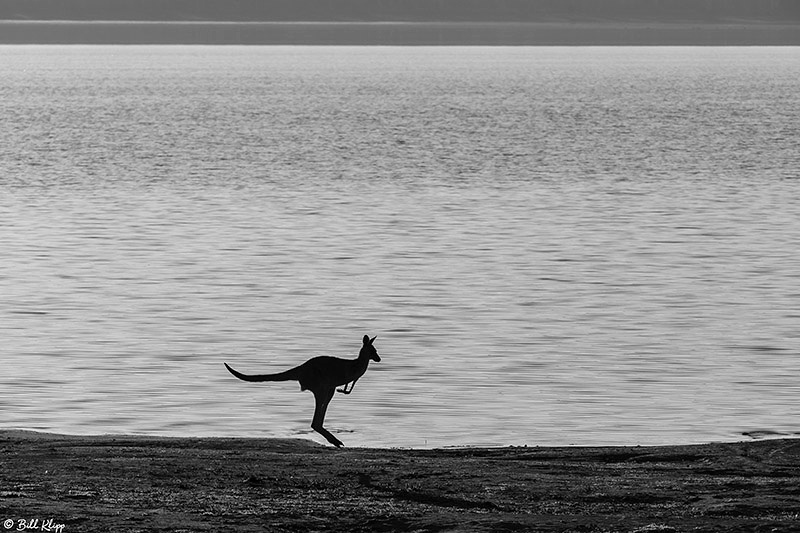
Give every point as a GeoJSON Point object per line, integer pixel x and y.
{"type": "Point", "coordinates": [289, 375]}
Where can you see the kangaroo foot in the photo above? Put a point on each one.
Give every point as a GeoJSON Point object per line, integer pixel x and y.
{"type": "Point", "coordinates": [328, 436]}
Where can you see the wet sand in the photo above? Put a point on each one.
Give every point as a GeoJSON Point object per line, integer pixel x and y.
{"type": "Point", "coordinates": [127, 484]}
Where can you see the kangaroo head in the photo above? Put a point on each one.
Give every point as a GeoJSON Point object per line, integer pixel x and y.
{"type": "Point", "coordinates": [368, 350]}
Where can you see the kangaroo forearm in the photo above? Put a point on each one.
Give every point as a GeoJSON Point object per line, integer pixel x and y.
{"type": "Point", "coordinates": [344, 390]}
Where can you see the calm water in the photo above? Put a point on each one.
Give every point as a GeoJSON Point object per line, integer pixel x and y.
{"type": "Point", "coordinates": [553, 245]}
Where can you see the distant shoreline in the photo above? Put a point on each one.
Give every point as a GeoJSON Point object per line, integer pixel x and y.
{"type": "Point", "coordinates": [401, 33]}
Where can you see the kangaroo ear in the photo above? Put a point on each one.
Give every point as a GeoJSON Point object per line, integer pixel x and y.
{"type": "Point", "coordinates": [373, 339]}
{"type": "Point", "coordinates": [366, 339]}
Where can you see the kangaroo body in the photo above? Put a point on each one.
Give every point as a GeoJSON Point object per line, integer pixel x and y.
{"type": "Point", "coordinates": [321, 375]}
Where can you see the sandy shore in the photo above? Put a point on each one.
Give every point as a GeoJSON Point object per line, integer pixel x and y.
{"type": "Point", "coordinates": [127, 484]}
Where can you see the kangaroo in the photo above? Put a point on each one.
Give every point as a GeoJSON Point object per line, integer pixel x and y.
{"type": "Point", "coordinates": [321, 375]}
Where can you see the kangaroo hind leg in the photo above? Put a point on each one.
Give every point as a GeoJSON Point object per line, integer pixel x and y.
{"type": "Point", "coordinates": [323, 398]}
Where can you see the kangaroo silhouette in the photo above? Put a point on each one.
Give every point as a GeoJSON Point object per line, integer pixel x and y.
{"type": "Point", "coordinates": [321, 375]}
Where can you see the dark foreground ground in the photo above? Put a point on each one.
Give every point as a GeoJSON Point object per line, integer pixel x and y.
{"type": "Point", "coordinates": [126, 484]}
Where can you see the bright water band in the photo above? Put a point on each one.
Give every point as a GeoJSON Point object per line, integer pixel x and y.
{"type": "Point", "coordinates": [554, 245]}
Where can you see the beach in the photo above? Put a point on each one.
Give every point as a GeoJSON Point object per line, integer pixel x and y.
{"type": "Point", "coordinates": [137, 483]}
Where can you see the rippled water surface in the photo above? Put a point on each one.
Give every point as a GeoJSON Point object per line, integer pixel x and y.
{"type": "Point", "coordinates": [553, 245]}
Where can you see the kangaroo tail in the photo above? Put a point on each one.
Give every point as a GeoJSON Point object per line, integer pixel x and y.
{"type": "Point", "coordinates": [281, 376]}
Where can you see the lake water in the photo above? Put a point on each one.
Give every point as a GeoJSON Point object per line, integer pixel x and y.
{"type": "Point", "coordinates": [553, 245]}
